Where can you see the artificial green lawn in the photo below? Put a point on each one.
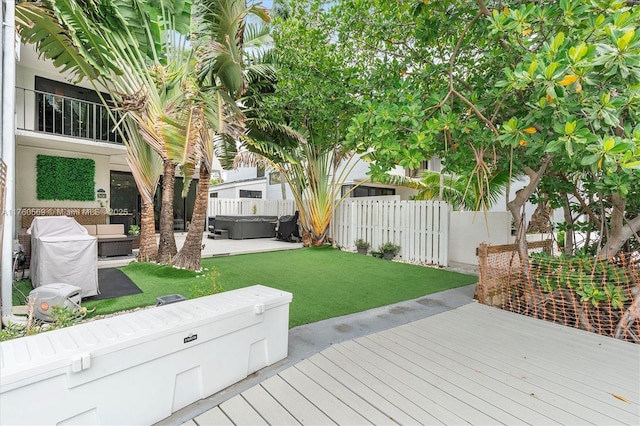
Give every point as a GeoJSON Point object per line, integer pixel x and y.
{"type": "Point", "coordinates": [325, 282]}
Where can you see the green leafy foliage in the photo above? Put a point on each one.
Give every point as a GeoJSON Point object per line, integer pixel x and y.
{"type": "Point", "coordinates": [389, 247]}
{"type": "Point", "coordinates": [62, 178]}
{"type": "Point", "coordinates": [594, 280]}
{"type": "Point", "coordinates": [62, 316]}
{"type": "Point", "coordinates": [548, 90]}
{"type": "Point", "coordinates": [360, 243]}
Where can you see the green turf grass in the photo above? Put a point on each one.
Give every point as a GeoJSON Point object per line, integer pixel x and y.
{"type": "Point", "coordinates": [325, 282]}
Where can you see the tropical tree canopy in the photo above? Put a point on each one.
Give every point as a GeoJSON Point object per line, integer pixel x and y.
{"type": "Point", "coordinates": [299, 115]}
{"type": "Point", "coordinates": [547, 90]}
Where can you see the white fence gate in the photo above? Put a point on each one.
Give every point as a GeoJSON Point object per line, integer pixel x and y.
{"type": "Point", "coordinates": [250, 206]}
{"type": "Point", "coordinates": [420, 228]}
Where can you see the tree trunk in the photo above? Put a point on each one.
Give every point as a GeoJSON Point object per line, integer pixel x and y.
{"type": "Point", "coordinates": [283, 185]}
{"type": "Point", "coordinates": [191, 252]}
{"type": "Point", "coordinates": [516, 205]}
{"type": "Point", "coordinates": [570, 232]}
{"type": "Point", "coordinates": [167, 246]}
{"type": "Point", "coordinates": [540, 222]}
{"type": "Point", "coordinates": [148, 247]}
{"type": "Point", "coordinates": [617, 239]}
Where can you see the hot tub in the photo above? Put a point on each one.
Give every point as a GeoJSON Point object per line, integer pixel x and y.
{"type": "Point", "coordinates": [243, 227]}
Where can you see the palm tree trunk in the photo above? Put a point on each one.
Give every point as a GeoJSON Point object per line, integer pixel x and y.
{"type": "Point", "coordinates": [167, 246]}
{"type": "Point", "coordinates": [283, 185]}
{"type": "Point", "coordinates": [189, 255]}
{"type": "Point", "coordinates": [148, 247]}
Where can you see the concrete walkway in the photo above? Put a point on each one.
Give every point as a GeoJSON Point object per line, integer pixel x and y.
{"type": "Point", "coordinates": [213, 248]}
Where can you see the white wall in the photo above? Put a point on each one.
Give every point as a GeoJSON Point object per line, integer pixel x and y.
{"type": "Point", "coordinates": [246, 178]}
{"type": "Point", "coordinates": [241, 173]}
{"type": "Point", "coordinates": [30, 65]}
{"type": "Point", "coordinates": [469, 229]}
{"type": "Point", "coordinates": [232, 189]}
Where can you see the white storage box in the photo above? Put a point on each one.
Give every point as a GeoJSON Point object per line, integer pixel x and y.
{"type": "Point", "coordinates": [139, 368]}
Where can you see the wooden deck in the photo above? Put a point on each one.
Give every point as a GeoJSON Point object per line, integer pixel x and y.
{"type": "Point", "coordinates": [471, 365]}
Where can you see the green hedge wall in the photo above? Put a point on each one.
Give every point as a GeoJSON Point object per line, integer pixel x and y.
{"type": "Point", "coordinates": [62, 178]}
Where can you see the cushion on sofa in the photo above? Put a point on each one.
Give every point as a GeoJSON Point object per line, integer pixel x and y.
{"type": "Point", "coordinates": [91, 229]}
{"type": "Point", "coordinates": [113, 230]}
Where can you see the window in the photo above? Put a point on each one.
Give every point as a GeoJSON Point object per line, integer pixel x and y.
{"type": "Point", "coordinates": [250, 194]}
{"type": "Point", "coordinates": [367, 191]}
{"type": "Point", "coordinates": [433, 164]}
{"type": "Point", "coordinates": [213, 195]}
{"type": "Point", "coordinates": [274, 178]}
{"type": "Point", "coordinates": [260, 172]}
{"type": "Point", "coordinates": [69, 110]}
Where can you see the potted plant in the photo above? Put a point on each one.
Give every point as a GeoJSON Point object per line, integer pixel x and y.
{"type": "Point", "coordinates": [362, 246]}
{"type": "Point", "coordinates": [134, 231]}
{"type": "Point", "coordinates": [389, 250]}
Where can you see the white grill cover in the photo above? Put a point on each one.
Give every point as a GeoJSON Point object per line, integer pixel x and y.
{"type": "Point", "coordinates": [62, 251]}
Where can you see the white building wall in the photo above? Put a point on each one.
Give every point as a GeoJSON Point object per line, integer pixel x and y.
{"type": "Point", "coordinates": [241, 173]}
{"type": "Point", "coordinates": [244, 178]}
{"type": "Point", "coordinates": [469, 229]}
{"type": "Point", "coordinates": [232, 189]}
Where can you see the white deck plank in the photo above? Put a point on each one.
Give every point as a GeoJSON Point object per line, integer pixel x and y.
{"type": "Point", "coordinates": [590, 349]}
{"type": "Point", "coordinates": [376, 395]}
{"type": "Point", "coordinates": [436, 402]}
{"type": "Point", "coordinates": [432, 387]}
{"type": "Point", "coordinates": [474, 364]}
{"type": "Point", "coordinates": [527, 376]}
{"type": "Point", "coordinates": [526, 364]}
{"type": "Point", "coordinates": [332, 406]}
{"type": "Point", "coordinates": [458, 372]}
{"type": "Point", "coordinates": [241, 412]}
{"type": "Point", "coordinates": [344, 394]}
{"type": "Point", "coordinates": [389, 389]}
{"type": "Point", "coordinates": [304, 411]}
{"type": "Point", "coordinates": [215, 416]}
{"type": "Point", "coordinates": [268, 407]}
{"type": "Point", "coordinates": [446, 380]}
{"type": "Point", "coordinates": [496, 385]}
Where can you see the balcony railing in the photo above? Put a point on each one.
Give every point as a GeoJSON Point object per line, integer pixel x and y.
{"type": "Point", "coordinates": [49, 113]}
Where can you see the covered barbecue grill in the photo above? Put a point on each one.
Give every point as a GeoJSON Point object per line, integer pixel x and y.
{"type": "Point", "coordinates": [62, 251]}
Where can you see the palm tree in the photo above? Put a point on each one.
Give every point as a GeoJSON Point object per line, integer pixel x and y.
{"type": "Point", "coordinates": [219, 41]}
{"type": "Point", "coordinates": [463, 193]}
{"type": "Point", "coordinates": [115, 48]}
{"type": "Point", "coordinates": [315, 176]}
{"type": "Point", "coordinates": [313, 168]}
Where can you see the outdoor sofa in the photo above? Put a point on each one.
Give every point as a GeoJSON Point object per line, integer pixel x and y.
{"type": "Point", "coordinates": [112, 241]}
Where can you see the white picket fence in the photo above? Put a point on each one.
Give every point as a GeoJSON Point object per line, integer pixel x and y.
{"type": "Point", "coordinates": [420, 228]}
{"type": "Point", "coordinates": [250, 206]}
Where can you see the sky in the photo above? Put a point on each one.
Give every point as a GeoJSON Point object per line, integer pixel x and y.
{"type": "Point", "coordinates": [266, 3]}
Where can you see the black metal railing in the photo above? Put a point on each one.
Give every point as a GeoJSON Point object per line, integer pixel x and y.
{"type": "Point", "coordinates": [49, 113]}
